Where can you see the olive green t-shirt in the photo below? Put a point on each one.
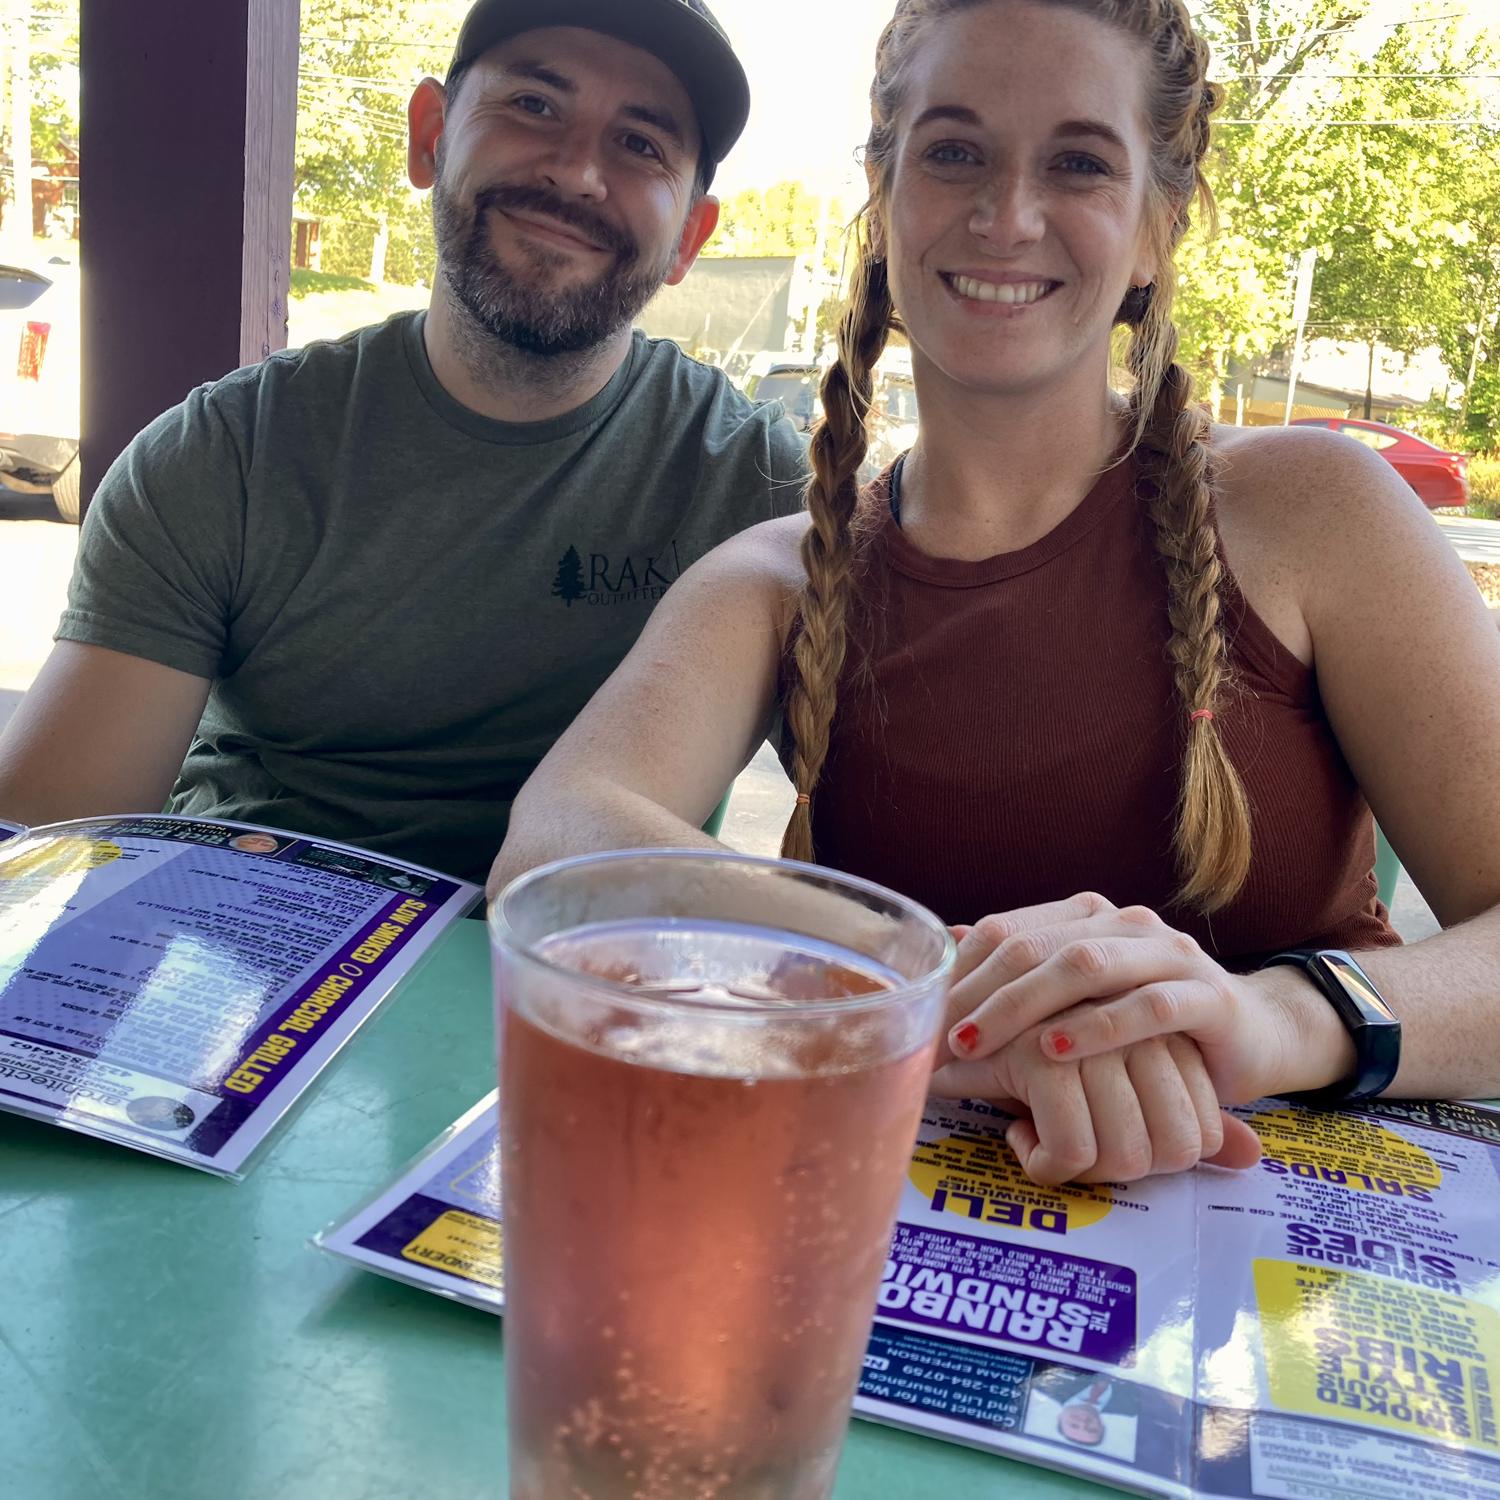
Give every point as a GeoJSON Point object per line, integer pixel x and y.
{"type": "Point", "coordinates": [402, 604]}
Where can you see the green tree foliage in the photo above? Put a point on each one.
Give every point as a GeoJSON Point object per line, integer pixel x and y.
{"type": "Point", "coordinates": [1405, 220]}
{"type": "Point", "coordinates": [1399, 218]}
{"type": "Point", "coordinates": [54, 78]}
{"type": "Point", "coordinates": [1232, 300]}
{"type": "Point", "coordinates": [787, 219]}
{"type": "Point", "coordinates": [53, 84]}
{"type": "Point", "coordinates": [360, 60]}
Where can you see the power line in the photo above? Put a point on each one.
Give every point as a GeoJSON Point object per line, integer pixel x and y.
{"type": "Point", "coordinates": [336, 95]}
{"type": "Point", "coordinates": [361, 81]}
{"type": "Point", "coordinates": [374, 132]}
{"type": "Point", "coordinates": [384, 117]}
{"type": "Point", "coordinates": [1451, 15]}
{"type": "Point", "coordinates": [384, 84]}
{"type": "Point", "coordinates": [374, 41]}
{"type": "Point", "coordinates": [374, 84]}
{"type": "Point", "coordinates": [1315, 77]}
{"type": "Point", "coordinates": [380, 132]}
{"type": "Point", "coordinates": [1339, 124]}
{"type": "Point", "coordinates": [1360, 323]}
{"type": "Point", "coordinates": [332, 104]}
{"type": "Point", "coordinates": [375, 124]}
{"type": "Point", "coordinates": [314, 81]}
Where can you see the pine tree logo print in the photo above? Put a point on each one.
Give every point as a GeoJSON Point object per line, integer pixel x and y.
{"type": "Point", "coordinates": [612, 578]}
{"type": "Point", "coordinates": [568, 585]}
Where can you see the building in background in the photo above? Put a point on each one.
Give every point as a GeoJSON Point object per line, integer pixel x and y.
{"type": "Point", "coordinates": [730, 309]}
{"type": "Point", "coordinates": [1260, 401]}
{"type": "Point", "coordinates": [307, 241]}
{"type": "Point", "coordinates": [1336, 380]}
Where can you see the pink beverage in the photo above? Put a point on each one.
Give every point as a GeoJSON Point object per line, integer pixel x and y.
{"type": "Point", "coordinates": [698, 1201]}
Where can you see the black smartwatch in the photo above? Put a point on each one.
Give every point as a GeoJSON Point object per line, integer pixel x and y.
{"type": "Point", "coordinates": [1375, 1031]}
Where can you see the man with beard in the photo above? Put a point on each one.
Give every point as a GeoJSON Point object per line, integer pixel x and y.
{"type": "Point", "coordinates": [364, 585]}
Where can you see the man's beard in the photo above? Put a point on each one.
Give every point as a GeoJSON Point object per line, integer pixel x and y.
{"type": "Point", "coordinates": [535, 319]}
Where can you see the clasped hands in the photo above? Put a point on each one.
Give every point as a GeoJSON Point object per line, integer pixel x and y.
{"type": "Point", "coordinates": [1112, 1037]}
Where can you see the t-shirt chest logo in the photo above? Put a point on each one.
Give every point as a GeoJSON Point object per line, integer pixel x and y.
{"type": "Point", "coordinates": [624, 578]}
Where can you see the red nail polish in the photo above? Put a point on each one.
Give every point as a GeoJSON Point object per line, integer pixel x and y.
{"type": "Point", "coordinates": [1060, 1042]}
{"type": "Point", "coordinates": [966, 1038]}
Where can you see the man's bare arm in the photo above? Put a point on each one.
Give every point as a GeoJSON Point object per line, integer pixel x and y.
{"type": "Point", "coordinates": [99, 732]}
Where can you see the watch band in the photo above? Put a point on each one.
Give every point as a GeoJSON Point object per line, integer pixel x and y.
{"type": "Point", "coordinates": [1370, 1022]}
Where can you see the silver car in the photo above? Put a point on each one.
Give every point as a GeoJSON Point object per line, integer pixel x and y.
{"type": "Point", "coordinates": [39, 393]}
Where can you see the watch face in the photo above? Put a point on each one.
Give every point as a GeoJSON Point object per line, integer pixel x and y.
{"type": "Point", "coordinates": [1359, 987]}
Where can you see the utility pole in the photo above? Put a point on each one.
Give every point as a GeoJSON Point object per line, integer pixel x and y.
{"type": "Point", "coordinates": [1370, 374]}
{"type": "Point", "coordinates": [816, 281]}
{"type": "Point", "coordinates": [378, 250]}
{"type": "Point", "coordinates": [18, 220]}
{"type": "Point", "coordinates": [1474, 354]}
{"type": "Point", "coordinates": [1301, 302]}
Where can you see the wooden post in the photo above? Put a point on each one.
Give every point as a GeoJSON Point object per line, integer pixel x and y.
{"type": "Point", "coordinates": [188, 119]}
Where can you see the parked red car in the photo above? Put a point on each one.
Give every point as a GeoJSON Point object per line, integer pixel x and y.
{"type": "Point", "coordinates": [1438, 477]}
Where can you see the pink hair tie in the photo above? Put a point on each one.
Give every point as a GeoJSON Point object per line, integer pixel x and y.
{"type": "Point", "coordinates": [1201, 713]}
{"type": "Point", "coordinates": [803, 800]}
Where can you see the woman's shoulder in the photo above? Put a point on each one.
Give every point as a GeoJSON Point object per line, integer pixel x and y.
{"type": "Point", "coordinates": [1294, 493]}
{"type": "Point", "coordinates": [1315, 524]}
{"type": "Point", "coordinates": [1307, 517]}
{"type": "Point", "coordinates": [1305, 471]}
{"type": "Point", "coordinates": [769, 554]}
{"type": "Point", "coordinates": [758, 570]}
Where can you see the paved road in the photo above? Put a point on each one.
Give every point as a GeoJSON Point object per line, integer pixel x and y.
{"type": "Point", "coordinates": [1474, 541]}
{"type": "Point", "coordinates": [36, 556]}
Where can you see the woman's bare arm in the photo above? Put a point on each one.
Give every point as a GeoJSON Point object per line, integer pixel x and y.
{"type": "Point", "coordinates": [1341, 561]}
{"type": "Point", "coordinates": [659, 744]}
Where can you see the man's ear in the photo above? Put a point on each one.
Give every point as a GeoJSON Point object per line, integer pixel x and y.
{"type": "Point", "coordinates": [426, 115]}
{"type": "Point", "coordinates": [702, 220]}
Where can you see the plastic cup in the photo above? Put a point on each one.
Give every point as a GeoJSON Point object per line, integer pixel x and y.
{"type": "Point", "coordinates": [712, 1072]}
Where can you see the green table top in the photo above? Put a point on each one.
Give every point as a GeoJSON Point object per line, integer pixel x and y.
{"type": "Point", "coordinates": [165, 1335]}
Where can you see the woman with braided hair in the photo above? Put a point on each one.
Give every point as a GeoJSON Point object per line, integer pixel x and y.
{"type": "Point", "coordinates": [1109, 687]}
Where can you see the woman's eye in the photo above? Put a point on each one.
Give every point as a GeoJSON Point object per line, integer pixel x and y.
{"type": "Point", "coordinates": [951, 154]}
{"type": "Point", "coordinates": [1087, 165]}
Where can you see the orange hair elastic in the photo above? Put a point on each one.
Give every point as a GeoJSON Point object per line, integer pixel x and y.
{"type": "Point", "coordinates": [1201, 713]}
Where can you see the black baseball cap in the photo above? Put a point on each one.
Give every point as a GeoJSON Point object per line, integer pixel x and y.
{"type": "Point", "coordinates": [682, 33]}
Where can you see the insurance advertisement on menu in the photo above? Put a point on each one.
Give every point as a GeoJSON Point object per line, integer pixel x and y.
{"type": "Point", "coordinates": [176, 984]}
{"type": "Point", "coordinates": [1325, 1326]}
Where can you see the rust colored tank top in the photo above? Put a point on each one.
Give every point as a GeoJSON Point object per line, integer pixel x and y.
{"type": "Point", "coordinates": [1007, 734]}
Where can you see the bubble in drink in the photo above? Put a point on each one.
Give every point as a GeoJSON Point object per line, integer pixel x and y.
{"type": "Point", "coordinates": [720, 1201]}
